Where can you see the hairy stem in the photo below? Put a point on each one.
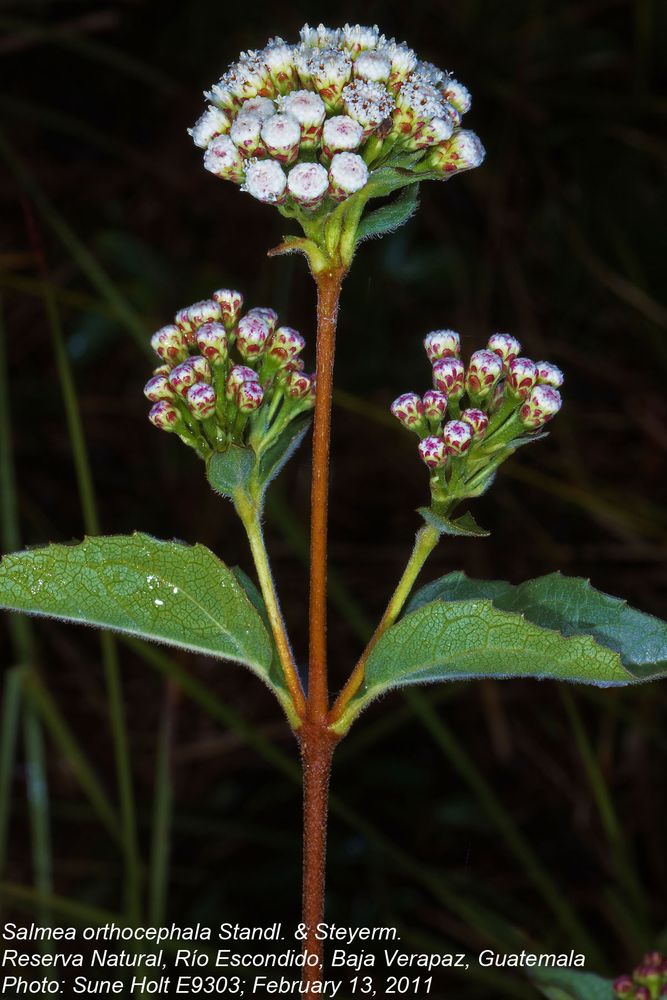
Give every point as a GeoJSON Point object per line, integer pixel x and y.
{"type": "Point", "coordinates": [426, 540]}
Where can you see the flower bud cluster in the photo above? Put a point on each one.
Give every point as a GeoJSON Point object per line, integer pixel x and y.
{"type": "Point", "coordinates": [477, 414]}
{"type": "Point", "coordinates": [647, 982]}
{"type": "Point", "coordinates": [305, 124]}
{"type": "Point", "coordinates": [226, 377]}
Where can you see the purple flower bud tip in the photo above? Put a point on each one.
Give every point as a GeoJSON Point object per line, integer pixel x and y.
{"type": "Point", "coordinates": [169, 343]}
{"type": "Point", "coordinates": [434, 404]}
{"type": "Point", "coordinates": [542, 404]}
{"type": "Point", "coordinates": [548, 374]}
{"type": "Point", "coordinates": [652, 959]}
{"type": "Point", "coordinates": [252, 335]}
{"type": "Point", "coordinates": [484, 370]}
{"type": "Point", "coordinates": [249, 397]}
{"type": "Point", "coordinates": [164, 416]}
{"type": "Point", "coordinates": [201, 368]}
{"type": "Point", "coordinates": [477, 420]}
{"type": "Point", "coordinates": [201, 400]}
{"type": "Point", "coordinates": [183, 376]}
{"type": "Point", "coordinates": [206, 311]}
{"type": "Point", "coordinates": [505, 345]}
{"type": "Point", "coordinates": [237, 376]}
{"type": "Point", "coordinates": [457, 436]}
{"type": "Point", "coordinates": [267, 316]}
{"type": "Point", "coordinates": [157, 388]}
{"type": "Point", "coordinates": [409, 409]}
{"type": "Point", "coordinates": [286, 344]}
{"type": "Point", "coordinates": [521, 377]}
{"type": "Point", "coordinates": [231, 304]}
{"type": "Point", "coordinates": [442, 344]}
{"type": "Point", "coordinates": [448, 376]}
{"type": "Point", "coordinates": [433, 452]}
{"type": "Point", "coordinates": [300, 385]}
{"type": "Point", "coordinates": [212, 342]}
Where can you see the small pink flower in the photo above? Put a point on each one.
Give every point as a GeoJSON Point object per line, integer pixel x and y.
{"type": "Point", "coordinates": [206, 311]}
{"type": "Point", "coordinates": [237, 376]}
{"type": "Point", "coordinates": [249, 397]}
{"type": "Point", "coordinates": [504, 345]}
{"type": "Point", "coordinates": [442, 344]}
{"type": "Point", "coordinates": [521, 377]}
{"type": "Point", "coordinates": [448, 376]}
{"type": "Point", "coordinates": [477, 420]}
{"type": "Point", "coordinates": [231, 304]}
{"type": "Point", "coordinates": [300, 385]}
{"type": "Point", "coordinates": [286, 344]}
{"type": "Point", "coordinates": [457, 437]}
{"type": "Point", "coordinates": [170, 344]}
{"type": "Point", "coordinates": [542, 405]}
{"type": "Point", "coordinates": [548, 374]}
{"type": "Point", "coordinates": [212, 342]}
{"type": "Point", "coordinates": [157, 388]}
{"type": "Point", "coordinates": [252, 335]}
{"type": "Point", "coordinates": [484, 370]}
{"type": "Point", "coordinates": [433, 452]}
{"type": "Point", "coordinates": [164, 416]}
{"type": "Point", "coordinates": [183, 376]}
{"type": "Point", "coordinates": [409, 409]}
{"type": "Point", "coordinates": [435, 404]}
{"type": "Point", "coordinates": [201, 400]}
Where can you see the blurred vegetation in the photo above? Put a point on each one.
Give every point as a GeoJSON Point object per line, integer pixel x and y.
{"type": "Point", "coordinates": [502, 815]}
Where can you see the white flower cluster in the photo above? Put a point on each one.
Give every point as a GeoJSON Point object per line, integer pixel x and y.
{"type": "Point", "coordinates": [308, 123]}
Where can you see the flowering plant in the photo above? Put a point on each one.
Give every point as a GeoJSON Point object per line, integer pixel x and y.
{"type": "Point", "coordinates": [319, 129]}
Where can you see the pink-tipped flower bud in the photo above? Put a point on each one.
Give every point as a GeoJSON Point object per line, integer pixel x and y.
{"type": "Point", "coordinates": [260, 107]}
{"type": "Point", "coordinates": [409, 409]}
{"type": "Point", "coordinates": [201, 400]}
{"type": "Point", "coordinates": [206, 311]}
{"type": "Point", "coordinates": [308, 183]}
{"type": "Point", "coordinates": [457, 436]}
{"type": "Point", "coordinates": [431, 133]}
{"type": "Point", "coordinates": [246, 134]}
{"type": "Point", "coordinates": [477, 421]}
{"type": "Point", "coordinates": [505, 346]}
{"type": "Point", "coordinates": [435, 404]}
{"type": "Point", "coordinates": [309, 110]}
{"type": "Point", "coordinates": [497, 397]}
{"type": "Point", "coordinates": [157, 388]}
{"type": "Point", "coordinates": [458, 95]}
{"type": "Point", "coordinates": [299, 385]}
{"type": "Point", "coordinates": [182, 321]}
{"type": "Point", "coordinates": [329, 70]}
{"type": "Point", "coordinates": [341, 134]}
{"type": "Point", "coordinates": [449, 376]}
{"type": "Point", "coordinates": [279, 60]}
{"type": "Point", "coordinates": [347, 174]}
{"type": "Point", "coordinates": [212, 342]}
{"type": "Point", "coordinates": [170, 344]}
{"type": "Point", "coordinates": [463, 151]}
{"type": "Point", "coordinates": [484, 370]}
{"type": "Point", "coordinates": [548, 374]}
{"type": "Point", "coordinates": [162, 370]}
{"type": "Point", "coordinates": [642, 993]}
{"type": "Point", "coordinates": [367, 103]}
{"type": "Point", "coordinates": [164, 416]}
{"type": "Point", "coordinates": [267, 315]}
{"type": "Point", "coordinates": [373, 66]}
{"type": "Point", "coordinates": [542, 405]}
{"type": "Point", "coordinates": [403, 62]}
{"type": "Point", "coordinates": [231, 304]}
{"type": "Point", "coordinates": [223, 159]}
{"type": "Point", "coordinates": [652, 959]}
{"type": "Point", "coordinates": [201, 368]}
{"type": "Point", "coordinates": [249, 397]}
{"type": "Point", "coordinates": [624, 987]}
{"type": "Point", "coordinates": [521, 377]}
{"type": "Point", "coordinates": [252, 335]}
{"type": "Point", "coordinates": [442, 344]}
{"type": "Point", "coordinates": [183, 376]}
{"type": "Point", "coordinates": [265, 180]}
{"type": "Point", "coordinates": [237, 376]}
{"type": "Point", "coordinates": [281, 135]}
{"type": "Point", "coordinates": [286, 344]}
{"type": "Point", "coordinates": [213, 122]}
{"type": "Point", "coordinates": [433, 452]}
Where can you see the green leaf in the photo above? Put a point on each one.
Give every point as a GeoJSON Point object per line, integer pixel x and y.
{"type": "Point", "coordinates": [572, 607]}
{"type": "Point", "coordinates": [230, 470]}
{"type": "Point", "coordinates": [391, 216]}
{"type": "Point", "coordinates": [466, 525]}
{"type": "Point", "coordinates": [280, 452]}
{"type": "Point", "coordinates": [569, 984]}
{"type": "Point", "coordinates": [166, 591]}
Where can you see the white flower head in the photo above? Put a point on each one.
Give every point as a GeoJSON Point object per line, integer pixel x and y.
{"type": "Point", "coordinates": [457, 95]}
{"type": "Point", "coordinates": [368, 103]}
{"type": "Point", "coordinates": [341, 133]}
{"type": "Point", "coordinates": [347, 174]}
{"type": "Point", "coordinates": [308, 108]}
{"type": "Point", "coordinates": [429, 73]}
{"type": "Point", "coordinates": [212, 123]}
{"type": "Point", "coordinates": [223, 159]}
{"type": "Point", "coordinates": [308, 183]}
{"type": "Point", "coordinates": [266, 181]}
{"type": "Point", "coordinates": [373, 66]}
{"type": "Point", "coordinates": [320, 37]}
{"type": "Point", "coordinates": [359, 37]}
{"type": "Point", "coordinates": [245, 133]}
{"type": "Point", "coordinates": [260, 107]}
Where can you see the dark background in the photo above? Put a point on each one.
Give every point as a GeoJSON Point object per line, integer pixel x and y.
{"type": "Point", "coordinates": [559, 238]}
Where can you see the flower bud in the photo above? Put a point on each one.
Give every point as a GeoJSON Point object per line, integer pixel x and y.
{"type": "Point", "coordinates": [201, 400]}
{"type": "Point", "coordinates": [521, 377]}
{"type": "Point", "coordinates": [403, 62]}
{"type": "Point", "coordinates": [417, 103]}
{"type": "Point", "coordinates": [358, 37]}
{"type": "Point", "coordinates": [169, 343]}
{"type": "Point", "coordinates": [542, 404]}
{"type": "Point", "coordinates": [341, 134]}
{"type": "Point", "coordinates": [249, 397]}
{"type": "Point", "coordinates": [642, 993]}
{"type": "Point", "coordinates": [347, 174]}
{"type": "Point", "coordinates": [281, 135]}
{"type": "Point", "coordinates": [246, 134]}
{"type": "Point", "coordinates": [320, 37]}
{"type": "Point", "coordinates": [213, 122]}
{"type": "Point", "coordinates": [497, 397]}
{"type": "Point", "coordinates": [164, 416]}
{"type": "Point", "coordinates": [463, 151]}
{"type": "Point", "coordinates": [157, 388]}
{"type": "Point", "coordinates": [373, 66]}
{"type": "Point", "coordinates": [435, 404]}
{"type": "Point", "coordinates": [624, 987]}
{"type": "Point", "coordinates": [223, 159]}
{"type": "Point", "coordinates": [162, 370]}
{"type": "Point", "coordinates": [299, 385]}
{"type": "Point", "coordinates": [506, 346]}
{"type": "Point", "coordinates": [409, 409]}
{"type": "Point", "coordinates": [279, 60]}
{"type": "Point", "coordinates": [266, 181]}
{"type": "Point", "coordinates": [477, 420]}
{"type": "Point", "coordinates": [457, 436]}
{"type": "Point", "coordinates": [206, 311]}
{"type": "Point", "coordinates": [330, 70]}
{"type": "Point", "coordinates": [548, 374]}
{"type": "Point", "coordinates": [433, 451]}
{"type": "Point", "coordinates": [237, 376]}
{"type": "Point", "coordinates": [308, 183]}
{"type": "Point", "coordinates": [448, 376]}
{"type": "Point", "coordinates": [268, 316]}
{"type": "Point", "coordinates": [201, 368]}
{"type": "Point", "coordinates": [183, 376]}
{"type": "Point", "coordinates": [442, 344]}
{"type": "Point", "coordinates": [212, 342]}
{"type": "Point", "coordinates": [309, 111]}
{"type": "Point", "coordinates": [231, 304]}
{"type": "Point", "coordinates": [652, 959]}
{"type": "Point", "coordinates": [484, 370]}
{"type": "Point", "coordinates": [252, 335]}
{"type": "Point", "coordinates": [260, 107]}
{"type": "Point", "coordinates": [435, 131]}
{"type": "Point", "coordinates": [367, 103]}
{"type": "Point", "coordinates": [458, 95]}
{"type": "Point", "coordinates": [285, 345]}
{"type": "Point", "coordinates": [182, 321]}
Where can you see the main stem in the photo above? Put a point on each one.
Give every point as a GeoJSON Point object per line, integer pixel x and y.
{"type": "Point", "coordinates": [317, 742]}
